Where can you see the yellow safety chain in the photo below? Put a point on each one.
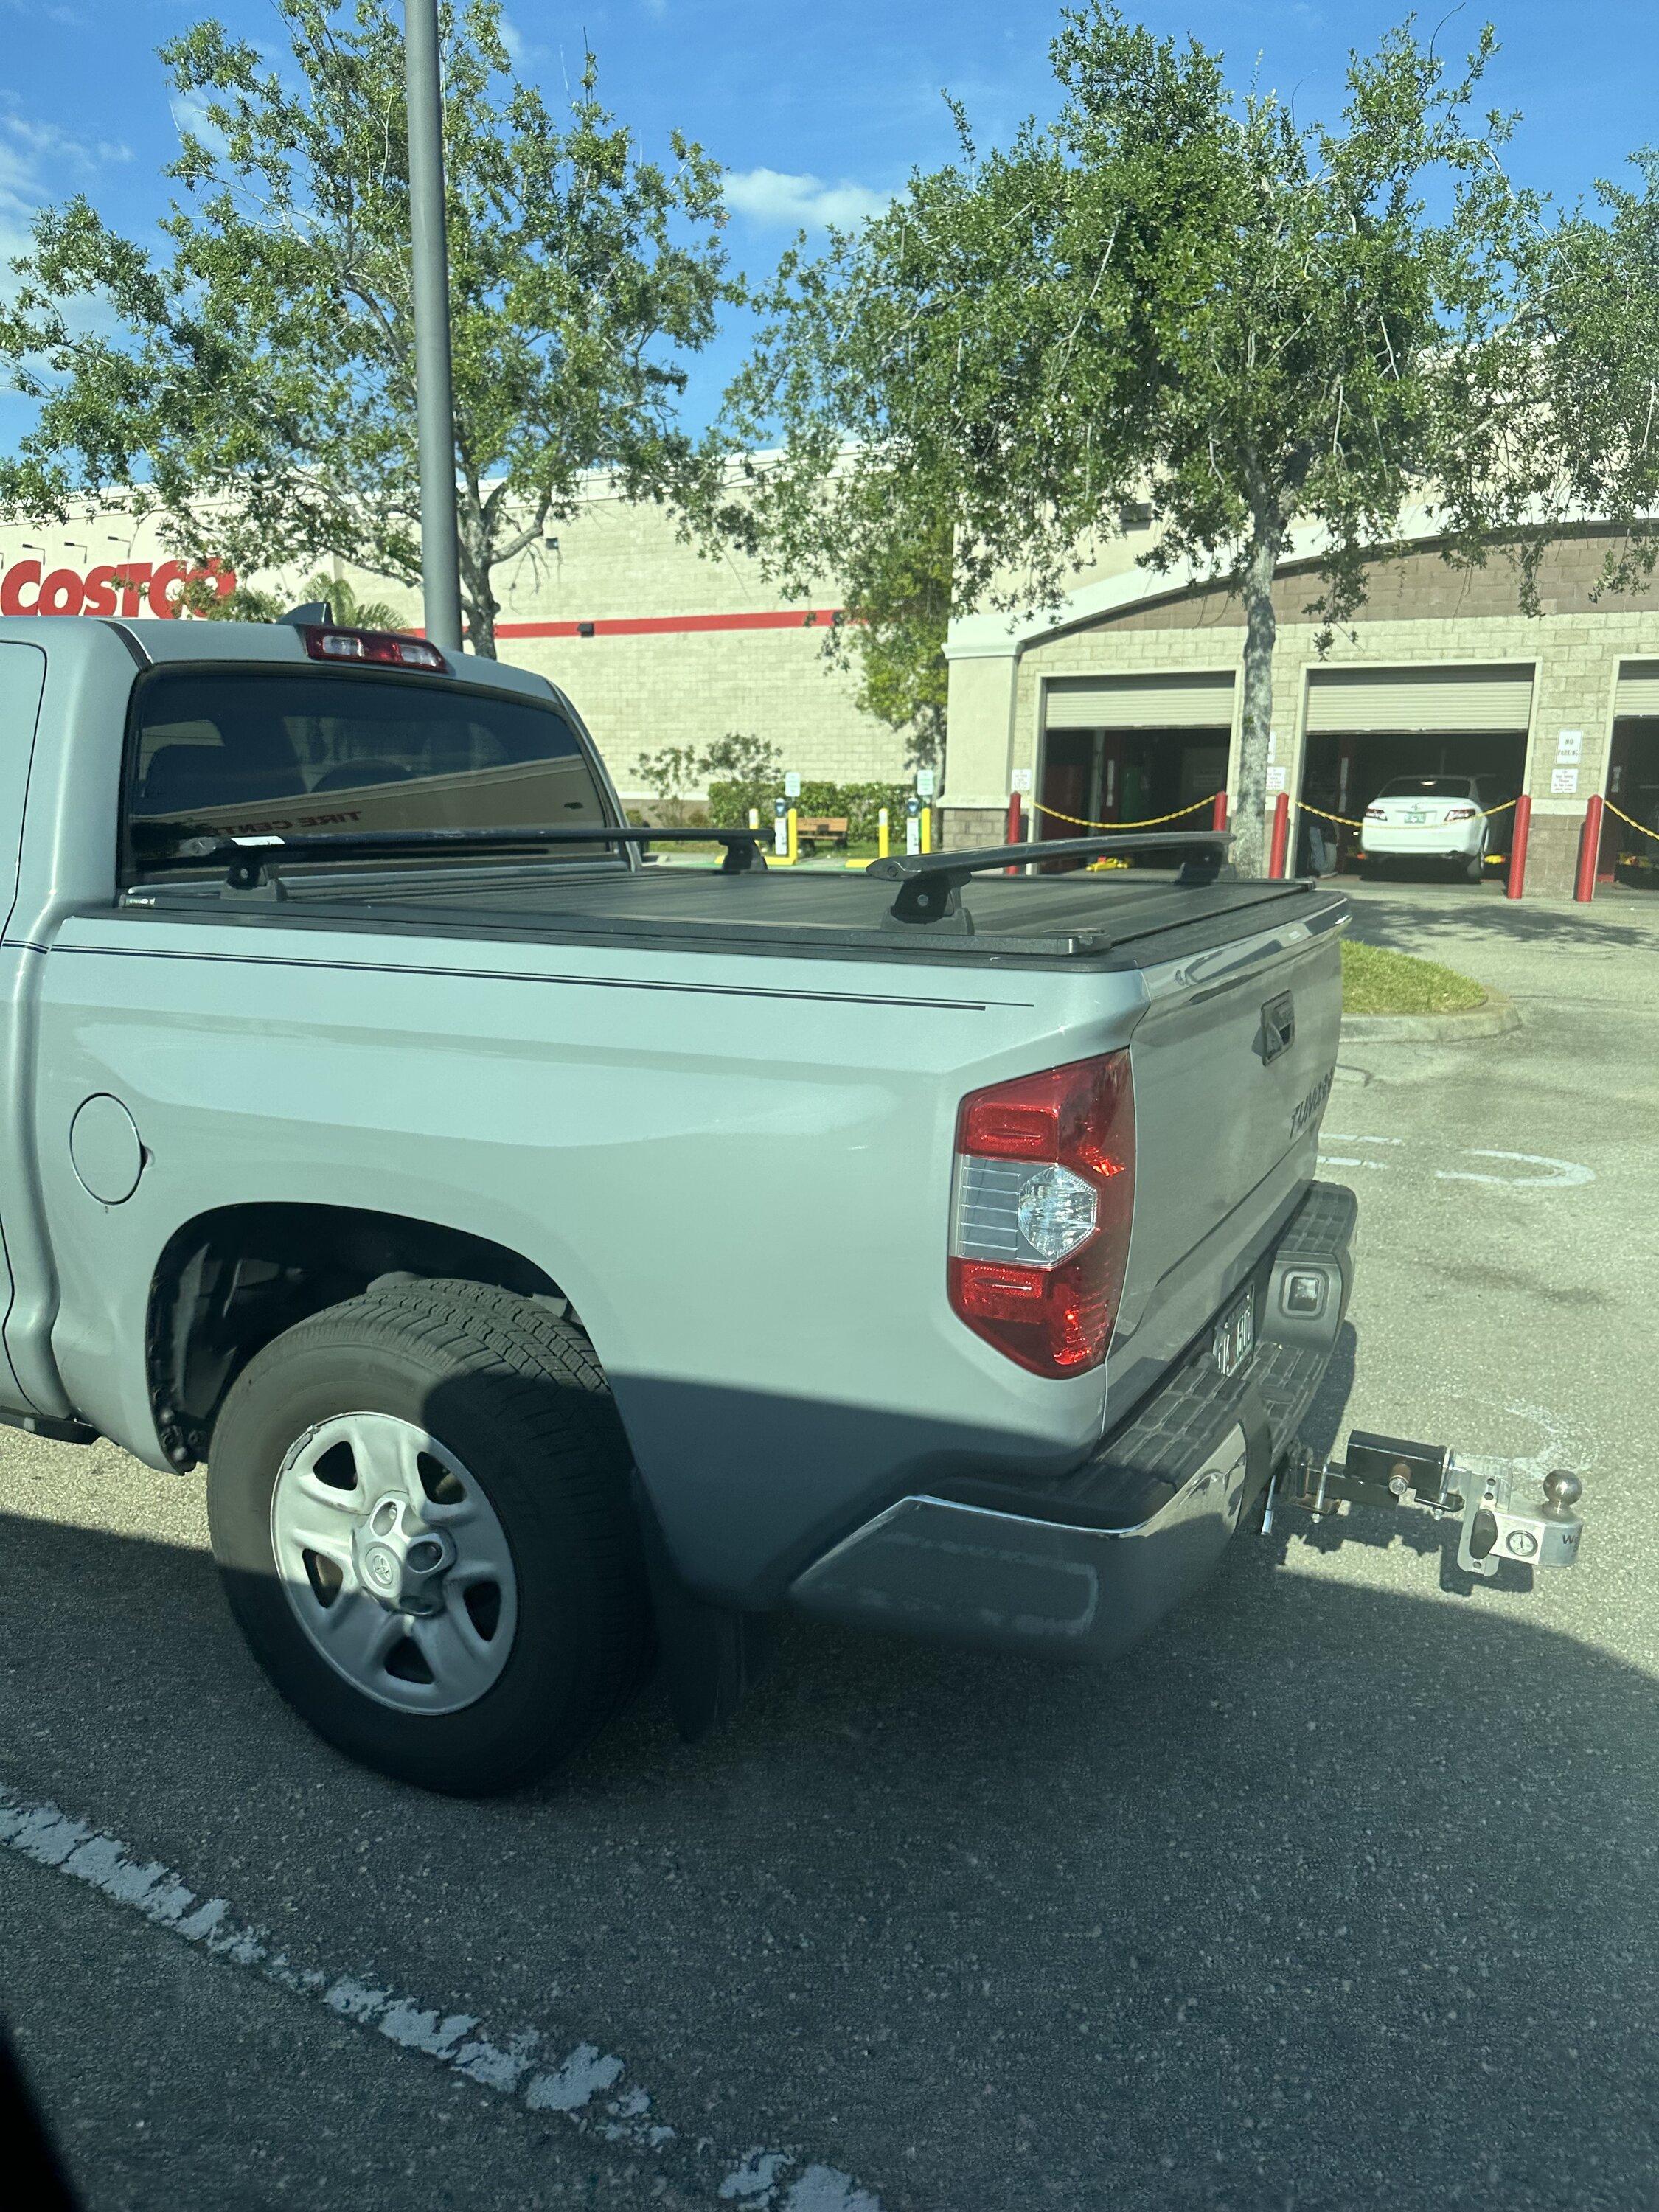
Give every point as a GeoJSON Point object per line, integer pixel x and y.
{"type": "Point", "coordinates": [1152, 821]}
{"type": "Point", "coordinates": [1623, 816]}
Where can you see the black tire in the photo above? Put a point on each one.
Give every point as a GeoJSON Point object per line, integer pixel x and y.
{"type": "Point", "coordinates": [1371, 870]}
{"type": "Point", "coordinates": [1475, 868]}
{"type": "Point", "coordinates": [519, 1396]}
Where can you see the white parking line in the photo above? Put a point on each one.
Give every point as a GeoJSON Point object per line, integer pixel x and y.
{"type": "Point", "coordinates": [515, 2064]}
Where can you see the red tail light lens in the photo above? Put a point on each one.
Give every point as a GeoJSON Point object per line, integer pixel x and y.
{"type": "Point", "coordinates": [1040, 1217]}
{"type": "Point", "coordinates": [1461, 813]}
{"type": "Point", "coordinates": [384, 648]}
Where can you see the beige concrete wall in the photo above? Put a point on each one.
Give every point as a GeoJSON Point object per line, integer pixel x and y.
{"type": "Point", "coordinates": [615, 561]}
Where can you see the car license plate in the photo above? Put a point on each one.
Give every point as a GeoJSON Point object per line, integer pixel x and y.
{"type": "Point", "coordinates": [1414, 820]}
{"type": "Point", "coordinates": [1235, 1336]}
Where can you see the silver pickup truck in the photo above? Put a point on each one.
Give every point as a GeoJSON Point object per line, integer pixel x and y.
{"type": "Point", "coordinates": [563, 1258]}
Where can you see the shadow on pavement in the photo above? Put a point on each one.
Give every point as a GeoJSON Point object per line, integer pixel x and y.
{"type": "Point", "coordinates": [1323, 1896]}
{"type": "Point", "coordinates": [1396, 916]}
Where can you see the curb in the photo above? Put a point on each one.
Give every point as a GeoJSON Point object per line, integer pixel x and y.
{"type": "Point", "coordinates": [1496, 1018]}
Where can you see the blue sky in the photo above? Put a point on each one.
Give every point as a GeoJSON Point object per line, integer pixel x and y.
{"type": "Point", "coordinates": [815, 109]}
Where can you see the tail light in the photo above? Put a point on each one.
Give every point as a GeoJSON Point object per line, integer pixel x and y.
{"type": "Point", "coordinates": [1375, 814]}
{"type": "Point", "coordinates": [1039, 1214]}
{"type": "Point", "coordinates": [1461, 813]}
{"type": "Point", "coordinates": [384, 648]}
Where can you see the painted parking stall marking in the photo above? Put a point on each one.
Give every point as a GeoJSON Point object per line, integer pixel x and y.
{"type": "Point", "coordinates": [1538, 1170]}
{"type": "Point", "coordinates": [520, 2064]}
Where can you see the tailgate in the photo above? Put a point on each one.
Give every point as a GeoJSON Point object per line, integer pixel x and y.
{"type": "Point", "coordinates": [1233, 1062]}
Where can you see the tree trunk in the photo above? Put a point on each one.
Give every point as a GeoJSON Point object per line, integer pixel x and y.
{"type": "Point", "coordinates": [479, 602]}
{"type": "Point", "coordinates": [1250, 803]}
{"type": "Point", "coordinates": [481, 608]}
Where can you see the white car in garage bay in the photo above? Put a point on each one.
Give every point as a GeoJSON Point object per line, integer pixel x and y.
{"type": "Point", "coordinates": [1430, 817]}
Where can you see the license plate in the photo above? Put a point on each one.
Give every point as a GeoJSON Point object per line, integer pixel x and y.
{"type": "Point", "coordinates": [1414, 820]}
{"type": "Point", "coordinates": [1234, 1338]}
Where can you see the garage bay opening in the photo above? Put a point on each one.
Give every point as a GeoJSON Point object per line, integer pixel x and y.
{"type": "Point", "coordinates": [1131, 749]}
{"type": "Point", "coordinates": [1627, 856]}
{"type": "Point", "coordinates": [1438, 754]}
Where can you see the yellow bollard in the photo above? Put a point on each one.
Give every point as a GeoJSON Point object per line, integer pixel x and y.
{"type": "Point", "coordinates": [927, 829]}
{"type": "Point", "coordinates": [881, 841]}
{"type": "Point", "coordinates": [754, 817]}
{"type": "Point", "coordinates": [794, 844]}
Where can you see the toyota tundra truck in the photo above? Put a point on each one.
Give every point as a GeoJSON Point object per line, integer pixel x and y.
{"type": "Point", "coordinates": [564, 1257]}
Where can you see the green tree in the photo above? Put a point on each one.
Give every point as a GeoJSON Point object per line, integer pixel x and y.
{"type": "Point", "coordinates": [254, 378]}
{"type": "Point", "coordinates": [896, 610]}
{"type": "Point", "coordinates": [247, 603]}
{"type": "Point", "coordinates": [1174, 296]}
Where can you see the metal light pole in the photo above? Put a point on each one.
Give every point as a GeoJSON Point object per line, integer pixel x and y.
{"type": "Point", "coordinates": [434, 400]}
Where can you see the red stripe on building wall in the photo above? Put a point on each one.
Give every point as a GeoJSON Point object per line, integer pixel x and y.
{"type": "Point", "coordinates": [672, 625]}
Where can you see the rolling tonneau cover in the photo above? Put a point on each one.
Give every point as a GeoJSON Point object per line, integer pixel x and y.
{"type": "Point", "coordinates": [1080, 915]}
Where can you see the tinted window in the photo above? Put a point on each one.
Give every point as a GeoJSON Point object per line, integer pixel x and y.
{"type": "Point", "coordinates": [250, 753]}
{"type": "Point", "coordinates": [1428, 787]}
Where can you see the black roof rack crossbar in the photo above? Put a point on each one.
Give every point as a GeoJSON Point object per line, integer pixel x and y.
{"type": "Point", "coordinates": [930, 883]}
{"type": "Point", "coordinates": [246, 860]}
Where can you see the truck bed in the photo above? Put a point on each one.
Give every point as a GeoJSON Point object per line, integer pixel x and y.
{"type": "Point", "coordinates": [1099, 918]}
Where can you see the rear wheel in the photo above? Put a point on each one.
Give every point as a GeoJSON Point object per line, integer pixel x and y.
{"type": "Point", "coordinates": [419, 1508]}
{"type": "Point", "coordinates": [1475, 868]}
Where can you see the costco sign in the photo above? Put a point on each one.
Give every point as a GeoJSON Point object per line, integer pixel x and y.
{"type": "Point", "coordinates": [125, 587]}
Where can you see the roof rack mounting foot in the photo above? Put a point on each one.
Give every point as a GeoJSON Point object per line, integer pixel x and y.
{"type": "Point", "coordinates": [931, 902]}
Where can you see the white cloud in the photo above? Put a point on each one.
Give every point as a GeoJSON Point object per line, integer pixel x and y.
{"type": "Point", "coordinates": [48, 141]}
{"type": "Point", "coordinates": [37, 158]}
{"type": "Point", "coordinates": [190, 119]}
{"type": "Point", "coordinates": [772, 197]}
{"type": "Point", "coordinates": [68, 18]}
{"type": "Point", "coordinates": [523, 53]}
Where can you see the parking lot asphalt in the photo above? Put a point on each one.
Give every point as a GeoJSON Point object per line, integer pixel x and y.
{"type": "Point", "coordinates": [1341, 1890]}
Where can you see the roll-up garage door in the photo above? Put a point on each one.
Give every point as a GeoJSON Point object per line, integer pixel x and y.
{"type": "Point", "coordinates": [1196, 702]}
{"type": "Point", "coordinates": [1407, 699]}
{"type": "Point", "coordinates": [1639, 688]}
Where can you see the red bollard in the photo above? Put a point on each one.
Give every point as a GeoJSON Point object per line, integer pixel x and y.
{"type": "Point", "coordinates": [1218, 814]}
{"type": "Point", "coordinates": [1278, 849]}
{"type": "Point", "coordinates": [1515, 884]}
{"type": "Point", "coordinates": [1589, 851]}
{"type": "Point", "coordinates": [1015, 830]}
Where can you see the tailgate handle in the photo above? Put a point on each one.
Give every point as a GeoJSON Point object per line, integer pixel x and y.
{"type": "Point", "coordinates": [1278, 1026]}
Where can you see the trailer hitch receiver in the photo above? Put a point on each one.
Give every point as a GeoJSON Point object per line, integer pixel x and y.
{"type": "Point", "coordinates": [1504, 1513]}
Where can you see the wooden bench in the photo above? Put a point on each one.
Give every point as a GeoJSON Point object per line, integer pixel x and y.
{"type": "Point", "coordinates": [818, 829]}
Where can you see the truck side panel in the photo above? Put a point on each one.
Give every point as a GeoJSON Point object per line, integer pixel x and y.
{"type": "Point", "coordinates": [743, 1190]}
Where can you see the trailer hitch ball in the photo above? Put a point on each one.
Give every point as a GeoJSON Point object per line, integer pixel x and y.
{"type": "Point", "coordinates": [1504, 1519]}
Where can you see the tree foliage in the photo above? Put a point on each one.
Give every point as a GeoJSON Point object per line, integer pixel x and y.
{"type": "Point", "coordinates": [247, 603]}
{"type": "Point", "coordinates": [254, 378]}
{"type": "Point", "coordinates": [1174, 295]}
{"type": "Point", "coordinates": [896, 608]}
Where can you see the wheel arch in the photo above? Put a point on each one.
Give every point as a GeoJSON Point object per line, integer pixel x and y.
{"type": "Point", "coordinates": [230, 1280]}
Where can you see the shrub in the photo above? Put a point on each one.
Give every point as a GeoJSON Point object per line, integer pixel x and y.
{"type": "Point", "coordinates": [729, 803]}
{"type": "Point", "coordinates": [667, 774]}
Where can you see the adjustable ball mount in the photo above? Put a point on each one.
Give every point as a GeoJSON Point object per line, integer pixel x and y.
{"type": "Point", "coordinates": [1505, 1513]}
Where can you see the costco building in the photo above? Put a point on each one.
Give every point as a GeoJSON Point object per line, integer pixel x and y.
{"type": "Point", "coordinates": [1124, 705]}
{"type": "Point", "coordinates": [1121, 707]}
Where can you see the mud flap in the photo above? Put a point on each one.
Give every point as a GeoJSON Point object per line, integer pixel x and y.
{"type": "Point", "coordinates": [710, 1656]}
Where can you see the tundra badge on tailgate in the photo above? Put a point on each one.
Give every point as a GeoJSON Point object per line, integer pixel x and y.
{"type": "Point", "coordinates": [1311, 1105]}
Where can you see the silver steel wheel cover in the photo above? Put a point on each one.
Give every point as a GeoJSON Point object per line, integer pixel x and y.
{"type": "Point", "coordinates": [390, 1582]}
